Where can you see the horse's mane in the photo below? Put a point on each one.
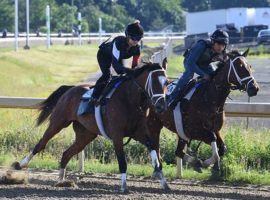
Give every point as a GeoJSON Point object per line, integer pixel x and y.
{"type": "Point", "coordinates": [147, 67]}
{"type": "Point", "coordinates": [234, 53]}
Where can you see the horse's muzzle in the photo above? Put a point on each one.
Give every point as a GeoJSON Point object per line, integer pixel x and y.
{"type": "Point", "coordinates": [161, 107]}
{"type": "Point", "coordinates": [253, 89]}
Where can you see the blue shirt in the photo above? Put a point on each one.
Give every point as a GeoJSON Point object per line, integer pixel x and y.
{"type": "Point", "coordinates": [193, 56]}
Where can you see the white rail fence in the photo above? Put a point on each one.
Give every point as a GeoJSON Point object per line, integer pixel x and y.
{"type": "Point", "coordinates": [232, 109]}
{"type": "Point", "coordinates": [158, 57]}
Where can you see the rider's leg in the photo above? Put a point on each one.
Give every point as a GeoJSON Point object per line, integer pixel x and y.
{"type": "Point", "coordinates": [104, 64]}
{"type": "Point", "coordinates": [186, 77]}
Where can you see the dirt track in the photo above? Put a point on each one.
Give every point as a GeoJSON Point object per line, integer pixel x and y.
{"type": "Point", "coordinates": [41, 186]}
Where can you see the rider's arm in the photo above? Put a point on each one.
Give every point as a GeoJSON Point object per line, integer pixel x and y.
{"type": "Point", "coordinates": [136, 58]}
{"type": "Point", "coordinates": [194, 55]}
{"type": "Point", "coordinates": [116, 61]}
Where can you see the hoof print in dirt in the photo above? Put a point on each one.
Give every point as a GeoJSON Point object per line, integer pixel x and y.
{"type": "Point", "coordinates": [14, 177]}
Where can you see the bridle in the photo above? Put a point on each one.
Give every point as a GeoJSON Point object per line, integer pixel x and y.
{"type": "Point", "coordinates": [240, 80]}
{"type": "Point", "coordinates": [149, 87]}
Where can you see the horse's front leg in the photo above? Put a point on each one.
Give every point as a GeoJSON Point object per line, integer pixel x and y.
{"type": "Point", "coordinates": [121, 158]}
{"type": "Point", "coordinates": [157, 166]}
{"type": "Point", "coordinates": [211, 139]}
{"type": "Point", "coordinates": [149, 136]}
{"type": "Point", "coordinates": [222, 149]}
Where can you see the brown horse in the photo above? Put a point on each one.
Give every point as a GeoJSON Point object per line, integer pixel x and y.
{"type": "Point", "coordinates": [203, 115]}
{"type": "Point", "coordinates": [123, 116]}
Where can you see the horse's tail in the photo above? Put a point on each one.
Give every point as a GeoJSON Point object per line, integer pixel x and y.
{"type": "Point", "coordinates": [47, 105]}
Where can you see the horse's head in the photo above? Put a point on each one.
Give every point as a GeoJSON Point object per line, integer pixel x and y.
{"type": "Point", "coordinates": [240, 74]}
{"type": "Point", "coordinates": [154, 79]}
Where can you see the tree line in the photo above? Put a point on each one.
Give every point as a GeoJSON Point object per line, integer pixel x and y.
{"type": "Point", "coordinates": [115, 14]}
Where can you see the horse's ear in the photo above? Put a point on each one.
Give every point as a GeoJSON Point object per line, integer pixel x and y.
{"type": "Point", "coordinates": [245, 53]}
{"type": "Point", "coordinates": [164, 63]}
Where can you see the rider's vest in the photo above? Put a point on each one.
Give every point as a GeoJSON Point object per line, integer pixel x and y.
{"type": "Point", "coordinates": [207, 56]}
{"type": "Point", "coordinates": [122, 45]}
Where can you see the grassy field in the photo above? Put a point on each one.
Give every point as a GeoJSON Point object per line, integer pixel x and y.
{"type": "Point", "coordinates": [37, 72]}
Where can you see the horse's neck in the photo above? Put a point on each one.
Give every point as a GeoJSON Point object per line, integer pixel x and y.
{"type": "Point", "coordinates": [134, 93]}
{"type": "Point", "coordinates": [220, 86]}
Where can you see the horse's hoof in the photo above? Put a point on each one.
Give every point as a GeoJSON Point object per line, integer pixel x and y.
{"type": "Point", "coordinates": [66, 183]}
{"type": "Point", "coordinates": [124, 191]}
{"type": "Point", "coordinates": [198, 166]}
{"type": "Point", "coordinates": [16, 165]}
{"type": "Point", "coordinates": [156, 175]}
{"type": "Point", "coordinates": [166, 187]}
{"type": "Point", "coordinates": [215, 174]}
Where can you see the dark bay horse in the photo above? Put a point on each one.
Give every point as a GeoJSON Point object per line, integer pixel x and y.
{"type": "Point", "coordinates": [203, 115]}
{"type": "Point", "coordinates": [123, 116]}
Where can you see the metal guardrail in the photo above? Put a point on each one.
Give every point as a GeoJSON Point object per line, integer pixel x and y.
{"type": "Point", "coordinates": [232, 109]}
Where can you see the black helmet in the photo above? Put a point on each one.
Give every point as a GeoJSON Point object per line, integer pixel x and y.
{"type": "Point", "coordinates": [135, 31]}
{"type": "Point", "coordinates": [220, 36]}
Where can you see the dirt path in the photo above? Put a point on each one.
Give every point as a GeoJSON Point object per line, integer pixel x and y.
{"type": "Point", "coordinates": [41, 186]}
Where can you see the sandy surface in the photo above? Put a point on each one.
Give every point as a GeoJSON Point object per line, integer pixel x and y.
{"type": "Point", "coordinates": [41, 186]}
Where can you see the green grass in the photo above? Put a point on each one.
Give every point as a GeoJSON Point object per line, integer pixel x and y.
{"type": "Point", "coordinates": [175, 65]}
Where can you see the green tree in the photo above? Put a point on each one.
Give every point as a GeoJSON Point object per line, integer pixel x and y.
{"type": "Point", "coordinates": [64, 19]}
{"type": "Point", "coordinates": [196, 5]}
{"type": "Point", "coordinates": [38, 13]}
{"type": "Point", "coordinates": [6, 15]}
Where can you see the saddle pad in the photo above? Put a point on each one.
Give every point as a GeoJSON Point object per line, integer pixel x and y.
{"type": "Point", "coordinates": [172, 85]}
{"type": "Point", "coordinates": [178, 121]}
{"type": "Point", "coordinates": [99, 121]}
{"type": "Point", "coordinates": [83, 107]}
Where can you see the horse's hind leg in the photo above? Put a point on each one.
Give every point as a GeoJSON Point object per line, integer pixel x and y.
{"type": "Point", "coordinates": [122, 163]}
{"type": "Point", "coordinates": [181, 153]}
{"type": "Point", "coordinates": [83, 137]}
{"type": "Point", "coordinates": [55, 126]}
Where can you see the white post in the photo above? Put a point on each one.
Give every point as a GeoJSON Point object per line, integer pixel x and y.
{"type": "Point", "coordinates": [27, 26]}
{"type": "Point", "coordinates": [16, 25]}
{"type": "Point", "coordinates": [100, 30]}
{"type": "Point", "coordinates": [81, 161]}
{"type": "Point", "coordinates": [48, 26]}
{"type": "Point", "coordinates": [79, 27]}
{"type": "Point", "coordinates": [179, 168]}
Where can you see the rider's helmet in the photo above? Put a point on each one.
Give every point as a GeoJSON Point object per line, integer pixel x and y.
{"type": "Point", "coordinates": [134, 31]}
{"type": "Point", "coordinates": [220, 36]}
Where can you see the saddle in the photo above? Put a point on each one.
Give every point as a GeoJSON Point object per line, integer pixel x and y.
{"type": "Point", "coordinates": [188, 90]}
{"type": "Point", "coordinates": [107, 93]}
{"type": "Point", "coordinates": [113, 84]}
